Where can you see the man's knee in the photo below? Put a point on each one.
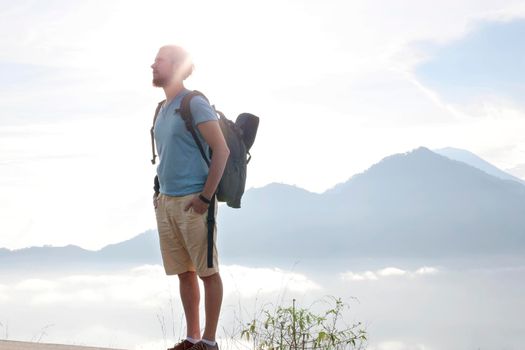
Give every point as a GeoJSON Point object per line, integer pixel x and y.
{"type": "Point", "coordinates": [211, 278]}
{"type": "Point", "coordinates": [187, 276]}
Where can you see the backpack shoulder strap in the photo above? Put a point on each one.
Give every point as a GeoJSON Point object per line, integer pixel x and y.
{"type": "Point", "coordinates": [152, 131]}
{"type": "Point", "coordinates": [185, 110]}
{"type": "Point", "coordinates": [185, 113]}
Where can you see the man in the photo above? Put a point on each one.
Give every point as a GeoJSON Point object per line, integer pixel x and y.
{"type": "Point", "coordinates": [186, 188]}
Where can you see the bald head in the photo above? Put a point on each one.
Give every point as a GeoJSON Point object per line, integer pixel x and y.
{"type": "Point", "coordinates": [172, 64]}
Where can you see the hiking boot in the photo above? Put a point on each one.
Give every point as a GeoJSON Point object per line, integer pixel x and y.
{"type": "Point", "coordinates": [203, 346]}
{"type": "Point", "coordinates": [183, 345]}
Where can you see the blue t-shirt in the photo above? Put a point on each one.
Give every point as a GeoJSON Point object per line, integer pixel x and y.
{"type": "Point", "coordinates": [181, 169]}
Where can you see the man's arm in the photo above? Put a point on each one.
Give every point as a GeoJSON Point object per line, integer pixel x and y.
{"type": "Point", "coordinates": [212, 134]}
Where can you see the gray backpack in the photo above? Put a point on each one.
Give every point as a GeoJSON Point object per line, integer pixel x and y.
{"type": "Point", "coordinates": [239, 136]}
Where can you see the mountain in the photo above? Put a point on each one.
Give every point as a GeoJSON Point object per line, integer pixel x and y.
{"type": "Point", "coordinates": [45, 255]}
{"type": "Point", "coordinates": [477, 162]}
{"type": "Point", "coordinates": [417, 204]}
{"type": "Point", "coordinates": [142, 249]}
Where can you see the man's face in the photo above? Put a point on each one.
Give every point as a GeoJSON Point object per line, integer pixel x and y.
{"type": "Point", "coordinates": [163, 69]}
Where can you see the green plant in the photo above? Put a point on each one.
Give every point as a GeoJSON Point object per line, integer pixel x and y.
{"type": "Point", "coordinates": [299, 328]}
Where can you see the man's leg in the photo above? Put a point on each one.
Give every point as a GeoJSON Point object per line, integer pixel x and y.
{"type": "Point", "coordinates": [212, 304]}
{"type": "Point", "coordinates": [190, 296]}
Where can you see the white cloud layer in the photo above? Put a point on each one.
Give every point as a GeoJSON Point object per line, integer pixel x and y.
{"type": "Point", "coordinates": [387, 272]}
{"type": "Point", "coordinates": [148, 287]}
{"type": "Point", "coordinates": [398, 345]}
{"type": "Point", "coordinates": [249, 282]}
{"type": "Point", "coordinates": [140, 308]}
{"type": "Point", "coordinates": [3, 294]}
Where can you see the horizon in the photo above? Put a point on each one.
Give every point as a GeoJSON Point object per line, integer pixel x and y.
{"type": "Point", "coordinates": [447, 157]}
{"type": "Point", "coordinates": [134, 235]}
{"type": "Point", "coordinates": [335, 186]}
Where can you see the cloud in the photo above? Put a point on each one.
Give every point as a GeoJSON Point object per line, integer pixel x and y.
{"type": "Point", "coordinates": [386, 273]}
{"type": "Point", "coordinates": [252, 281]}
{"type": "Point", "coordinates": [144, 294]}
{"type": "Point", "coordinates": [397, 345]}
{"type": "Point", "coordinates": [148, 287]}
{"type": "Point", "coordinates": [518, 170]}
{"type": "Point", "coordinates": [484, 64]}
{"type": "Point", "coordinates": [35, 284]}
{"type": "Point", "coordinates": [351, 276]}
{"type": "Point", "coordinates": [426, 271]}
{"type": "Point", "coordinates": [144, 286]}
{"type": "Point", "coordinates": [3, 294]}
{"type": "Point", "coordinates": [391, 271]}
{"type": "Point", "coordinates": [61, 163]}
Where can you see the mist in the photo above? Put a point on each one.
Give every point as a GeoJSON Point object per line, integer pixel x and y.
{"type": "Point", "coordinates": [404, 304]}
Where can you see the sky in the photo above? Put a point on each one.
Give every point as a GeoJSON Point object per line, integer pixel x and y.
{"type": "Point", "coordinates": [338, 86]}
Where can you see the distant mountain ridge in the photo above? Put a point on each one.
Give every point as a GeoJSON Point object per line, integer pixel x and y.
{"type": "Point", "coordinates": [477, 162]}
{"type": "Point", "coordinates": [416, 204]}
{"type": "Point", "coordinates": [141, 249]}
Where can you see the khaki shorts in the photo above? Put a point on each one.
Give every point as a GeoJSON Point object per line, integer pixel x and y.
{"type": "Point", "coordinates": [183, 237]}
